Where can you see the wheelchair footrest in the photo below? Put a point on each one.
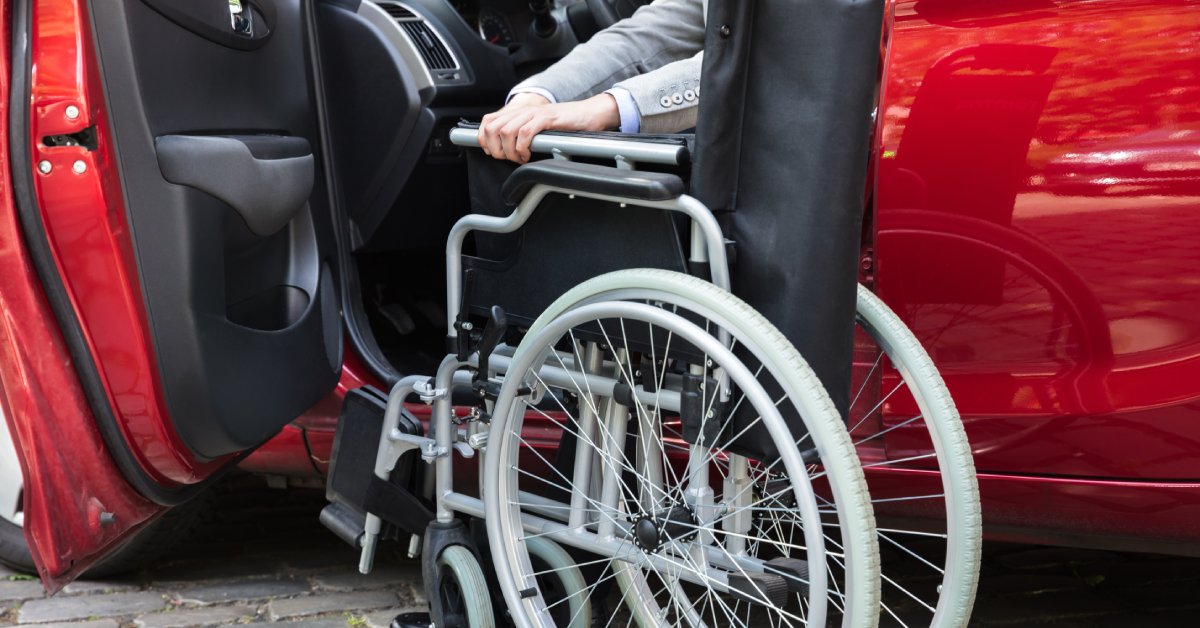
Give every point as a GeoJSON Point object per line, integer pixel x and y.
{"type": "Point", "coordinates": [353, 486]}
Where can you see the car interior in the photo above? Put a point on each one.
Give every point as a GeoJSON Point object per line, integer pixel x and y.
{"type": "Point", "coordinates": [290, 183]}
{"type": "Point", "coordinates": [286, 167]}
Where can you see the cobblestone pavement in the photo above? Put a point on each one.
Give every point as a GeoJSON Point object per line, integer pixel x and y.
{"type": "Point", "coordinates": [265, 559]}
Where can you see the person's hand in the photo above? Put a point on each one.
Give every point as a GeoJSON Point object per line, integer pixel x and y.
{"type": "Point", "coordinates": [507, 134]}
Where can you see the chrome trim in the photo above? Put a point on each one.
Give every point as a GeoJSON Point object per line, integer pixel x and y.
{"type": "Point", "coordinates": [241, 19]}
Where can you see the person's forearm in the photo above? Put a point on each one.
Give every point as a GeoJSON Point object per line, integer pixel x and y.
{"type": "Point", "coordinates": [657, 34]}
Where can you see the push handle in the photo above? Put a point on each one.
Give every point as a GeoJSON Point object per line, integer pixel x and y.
{"type": "Point", "coordinates": [594, 146]}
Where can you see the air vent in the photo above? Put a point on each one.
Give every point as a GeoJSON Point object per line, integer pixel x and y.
{"type": "Point", "coordinates": [432, 49]}
{"type": "Point", "coordinates": [398, 12]}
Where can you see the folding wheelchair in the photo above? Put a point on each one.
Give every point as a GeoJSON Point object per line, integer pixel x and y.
{"type": "Point", "coordinates": [651, 450]}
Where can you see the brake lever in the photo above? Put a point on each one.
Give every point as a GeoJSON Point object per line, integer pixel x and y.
{"type": "Point", "coordinates": [493, 333]}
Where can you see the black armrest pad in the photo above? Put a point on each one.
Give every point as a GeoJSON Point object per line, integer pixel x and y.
{"type": "Point", "coordinates": [634, 185]}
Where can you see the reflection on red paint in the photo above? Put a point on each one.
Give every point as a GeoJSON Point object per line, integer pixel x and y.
{"type": "Point", "coordinates": [1038, 204]}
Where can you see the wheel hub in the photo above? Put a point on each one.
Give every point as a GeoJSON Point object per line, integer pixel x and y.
{"type": "Point", "coordinates": [652, 531]}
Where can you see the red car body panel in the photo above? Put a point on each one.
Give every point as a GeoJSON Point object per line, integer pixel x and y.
{"type": "Point", "coordinates": [1066, 320]}
{"type": "Point", "coordinates": [1035, 215]}
{"type": "Point", "coordinates": [77, 504]}
{"type": "Point", "coordinates": [84, 217]}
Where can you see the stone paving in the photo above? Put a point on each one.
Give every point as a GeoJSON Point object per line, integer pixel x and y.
{"type": "Point", "coordinates": [265, 559]}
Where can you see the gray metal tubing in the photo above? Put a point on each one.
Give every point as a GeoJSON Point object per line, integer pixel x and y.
{"type": "Point", "coordinates": [443, 435]}
{"type": "Point", "coordinates": [591, 147]}
{"type": "Point", "coordinates": [582, 477]}
{"type": "Point", "coordinates": [590, 542]}
{"type": "Point", "coordinates": [616, 421]}
{"type": "Point", "coordinates": [702, 219]}
{"type": "Point", "coordinates": [505, 452]}
{"type": "Point", "coordinates": [600, 385]}
{"type": "Point", "coordinates": [554, 511]}
{"type": "Point", "coordinates": [479, 222]}
{"type": "Point", "coordinates": [391, 422]}
{"type": "Point", "coordinates": [670, 381]}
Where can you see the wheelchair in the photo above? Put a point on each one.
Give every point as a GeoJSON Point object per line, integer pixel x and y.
{"type": "Point", "coordinates": [652, 451]}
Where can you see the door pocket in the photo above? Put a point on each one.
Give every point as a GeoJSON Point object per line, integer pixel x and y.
{"type": "Point", "coordinates": [270, 254]}
{"type": "Point", "coordinates": [260, 337]}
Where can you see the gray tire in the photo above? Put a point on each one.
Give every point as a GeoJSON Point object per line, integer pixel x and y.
{"type": "Point", "coordinates": [955, 596]}
{"type": "Point", "coordinates": [459, 564]}
{"type": "Point", "coordinates": [964, 523]}
{"type": "Point", "coordinates": [753, 331]}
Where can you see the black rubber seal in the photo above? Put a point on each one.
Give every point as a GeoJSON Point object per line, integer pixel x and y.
{"type": "Point", "coordinates": [38, 245]}
{"type": "Point", "coordinates": [356, 325]}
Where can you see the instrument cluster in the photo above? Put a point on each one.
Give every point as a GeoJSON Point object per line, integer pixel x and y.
{"type": "Point", "coordinates": [498, 22]}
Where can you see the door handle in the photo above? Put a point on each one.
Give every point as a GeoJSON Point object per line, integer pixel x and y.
{"type": "Point", "coordinates": [241, 19]}
{"type": "Point", "coordinates": [238, 24]}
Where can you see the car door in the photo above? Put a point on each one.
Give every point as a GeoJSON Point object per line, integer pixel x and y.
{"type": "Point", "coordinates": [167, 172]}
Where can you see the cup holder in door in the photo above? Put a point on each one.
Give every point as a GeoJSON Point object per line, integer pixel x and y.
{"type": "Point", "coordinates": [270, 282]}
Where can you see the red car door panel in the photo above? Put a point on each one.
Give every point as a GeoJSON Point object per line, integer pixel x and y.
{"type": "Point", "coordinates": [175, 213]}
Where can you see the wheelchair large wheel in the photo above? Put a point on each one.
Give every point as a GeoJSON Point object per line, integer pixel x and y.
{"type": "Point", "coordinates": [908, 436]}
{"type": "Point", "coordinates": [668, 502]}
{"type": "Point", "coordinates": [919, 465]}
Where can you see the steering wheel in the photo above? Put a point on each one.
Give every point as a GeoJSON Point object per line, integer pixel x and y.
{"type": "Point", "coordinates": [609, 12]}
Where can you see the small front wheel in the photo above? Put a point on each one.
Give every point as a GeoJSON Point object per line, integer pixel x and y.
{"type": "Point", "coordinates": [465, 599]}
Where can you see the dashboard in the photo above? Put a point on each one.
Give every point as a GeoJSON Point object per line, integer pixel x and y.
{"type": "Point", "coordinates": [498, 22]}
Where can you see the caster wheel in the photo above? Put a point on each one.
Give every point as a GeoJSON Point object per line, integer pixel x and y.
{"type": "Point", "coordinates": [463, 592]}
{"type": "Point", "coordinates": [412, 620]}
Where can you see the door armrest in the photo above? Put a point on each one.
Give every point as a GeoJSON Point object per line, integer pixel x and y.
{"type": "Point", "coordinates": [267, 179]}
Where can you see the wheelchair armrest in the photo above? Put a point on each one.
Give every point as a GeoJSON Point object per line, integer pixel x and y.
{"type": "Point", "coordinates": [592, 179]}
{"type": "Point", "coordinates": [666, 150]}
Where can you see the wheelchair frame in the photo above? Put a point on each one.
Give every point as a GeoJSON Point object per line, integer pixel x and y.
{"type": "Point", "coordinates": [707, 247]}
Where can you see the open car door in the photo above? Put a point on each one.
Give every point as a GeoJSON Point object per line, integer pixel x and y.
{"type": "Point", "coordinates": [168, 191]}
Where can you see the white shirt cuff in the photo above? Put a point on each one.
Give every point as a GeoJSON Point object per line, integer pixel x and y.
{"type": "Point", "coordinates": [631, 118]}
{"type": "Point", "coordinates": [531, 90]}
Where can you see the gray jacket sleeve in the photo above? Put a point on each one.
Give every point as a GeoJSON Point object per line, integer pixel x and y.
{"type": "Point", "coordinates": [655, 54]}
{"type": "Point", "coordinates": [667, 98]}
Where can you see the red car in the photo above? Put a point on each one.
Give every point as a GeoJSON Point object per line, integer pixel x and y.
{"type": "Point", "coordinates": [151, 340]}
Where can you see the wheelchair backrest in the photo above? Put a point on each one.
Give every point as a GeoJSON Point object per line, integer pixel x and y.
{"type": "Point", "coordinates": [782, 146]}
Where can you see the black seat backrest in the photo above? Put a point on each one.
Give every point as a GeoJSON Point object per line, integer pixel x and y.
{"type": "Point", "coordinates": [566, 241]}
{"type": "Point", "coordinates": [781, 146]}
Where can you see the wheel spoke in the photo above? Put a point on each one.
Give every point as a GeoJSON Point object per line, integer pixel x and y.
{"type": "Point", "coordinates": [637, 468]}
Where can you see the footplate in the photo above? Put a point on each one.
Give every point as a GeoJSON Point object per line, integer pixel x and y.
{"type": "Point", "coordinates": [353, 487]}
